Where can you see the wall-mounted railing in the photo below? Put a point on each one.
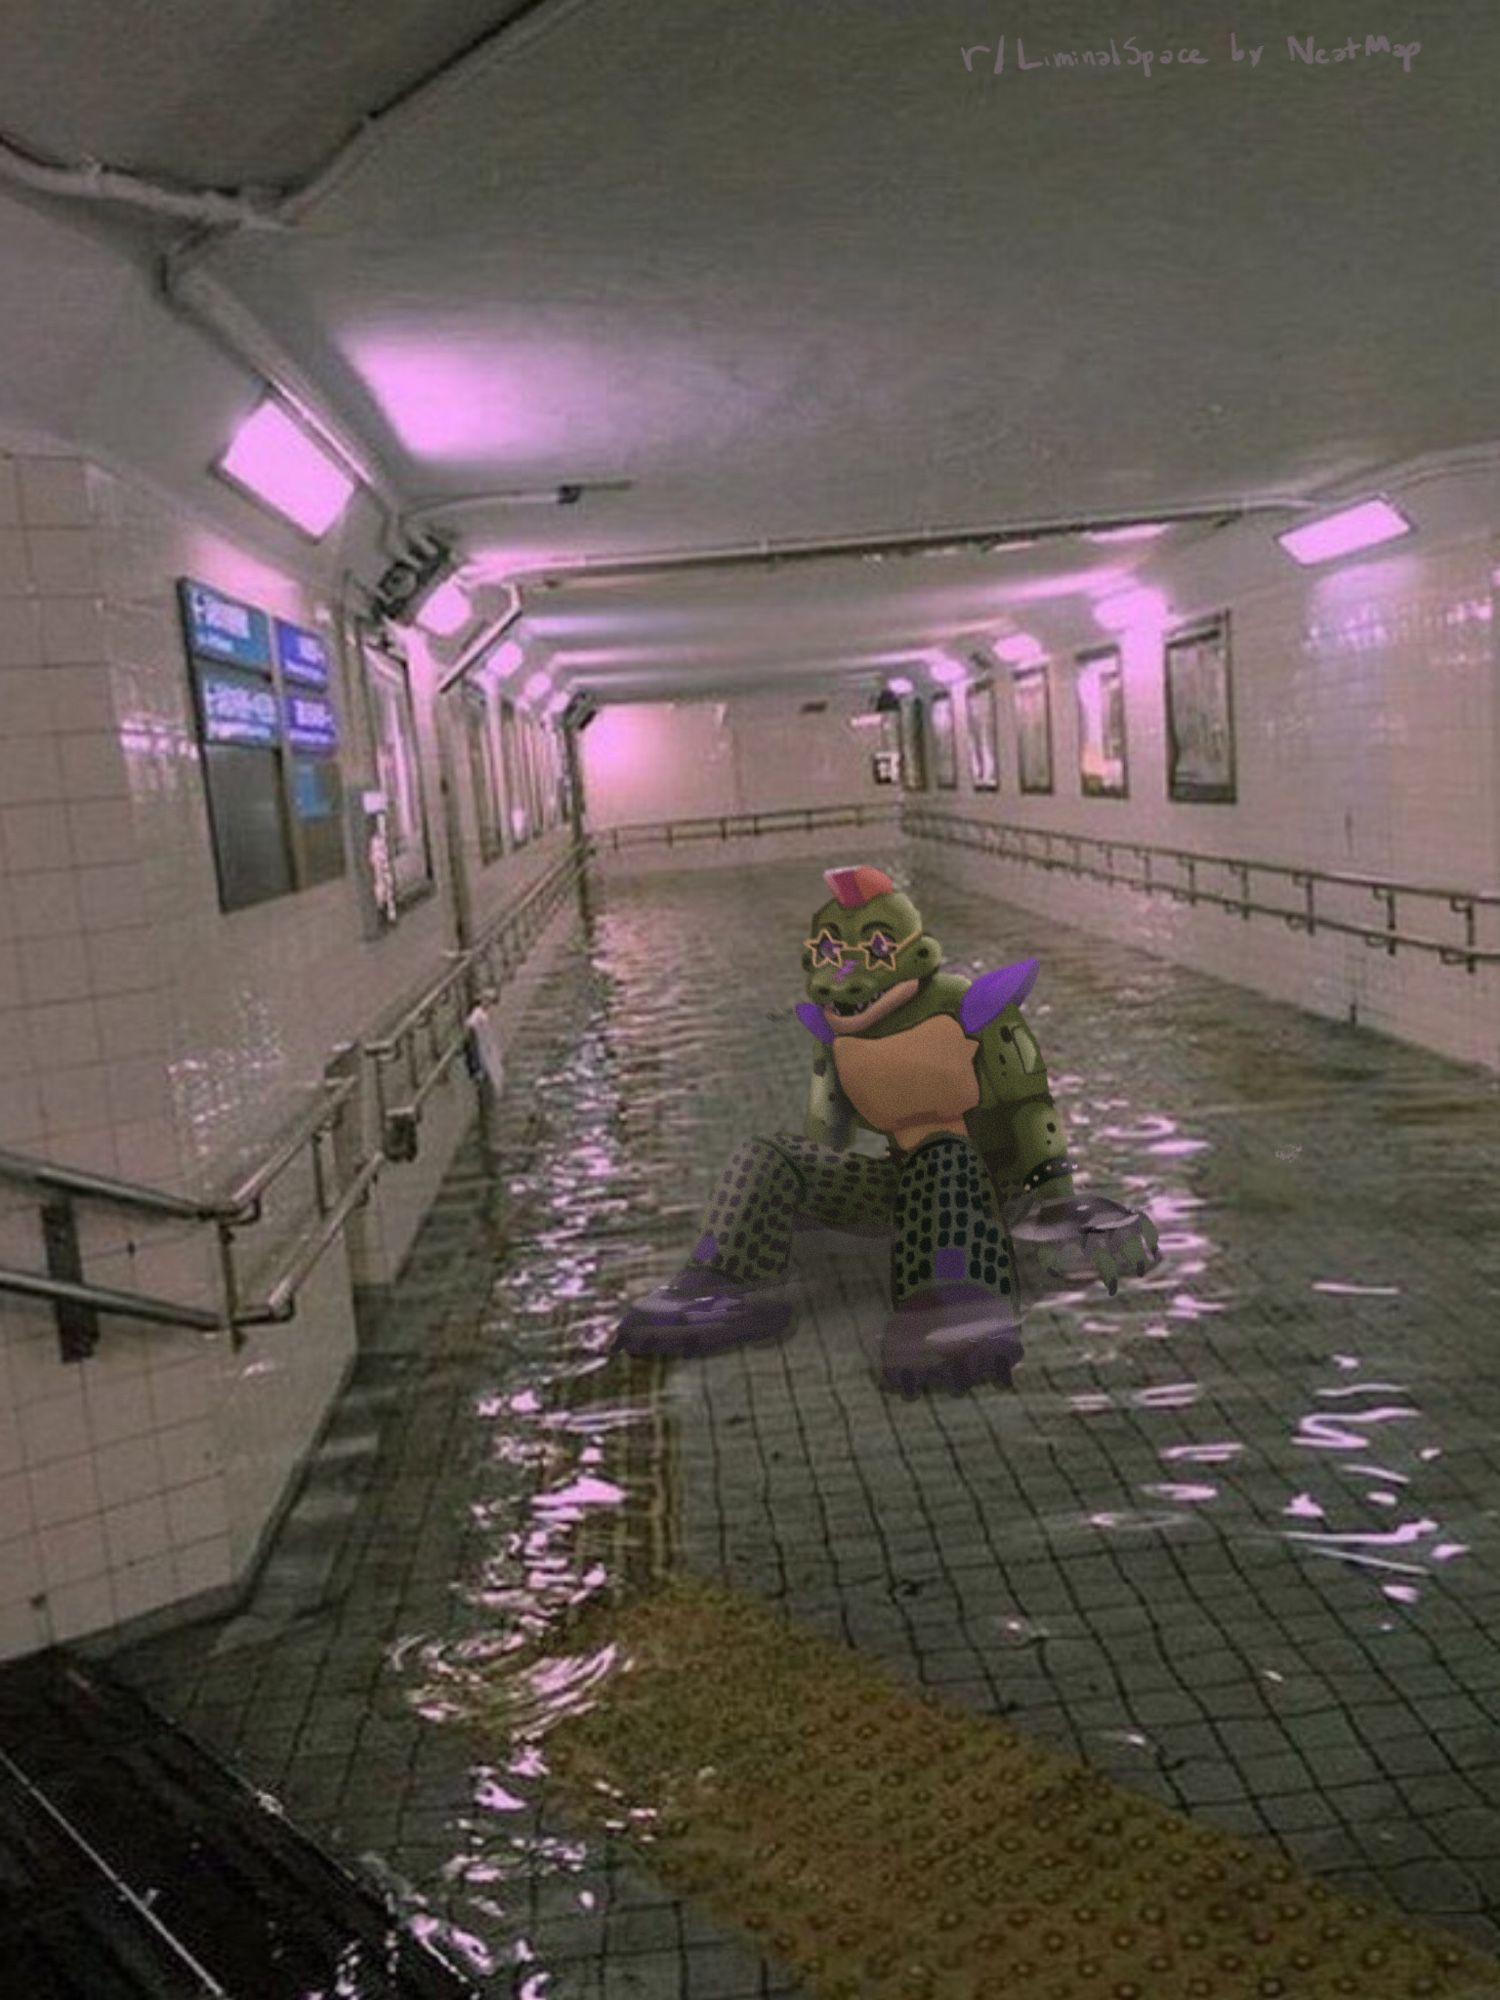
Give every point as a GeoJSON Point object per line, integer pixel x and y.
{"type": "Point", "coordinates": [735, 826]}
{"type": "Point", "coordinates": [1238, 886]}
{"type": "Point", "coordinates": [430, 1035]}
{"type": "Point", "coordinates": [423, 1044]}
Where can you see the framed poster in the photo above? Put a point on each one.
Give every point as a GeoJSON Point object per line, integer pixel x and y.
{"type": "Point", "coordinates": [1200, 716]}
{"type": "Point", "coordinates": [944, 743]}
{"type": "Point", "coordinates": [398, 768]}
{"type": "Point", "coordinates": [1102, 768]}
{"type": "Point", "coordinates": [484, 783]}
{"type": "Point", "coordinates": [913, 745]}
{"type": "Point", "coordinates": [1033, 729]}
{"type": "Point", "coordinates": [984, 737]}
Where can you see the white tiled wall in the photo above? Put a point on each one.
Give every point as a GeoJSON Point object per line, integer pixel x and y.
{"type": "Point", "coordinates": [646, 761]}
{"type": "Point", "coordinates": [145, 1034]}
{"type": "Point", "coordinates": [1367, 717]}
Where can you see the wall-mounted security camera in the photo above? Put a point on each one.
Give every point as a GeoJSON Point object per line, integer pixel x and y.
{"type": "Point", "coordinates": [413, 576]}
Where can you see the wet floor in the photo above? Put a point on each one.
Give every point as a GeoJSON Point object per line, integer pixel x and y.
{"type": "Point", "coordinates": [1234, 1539]}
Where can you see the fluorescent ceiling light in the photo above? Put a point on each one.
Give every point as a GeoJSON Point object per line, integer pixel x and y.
{"type": "Point", "coordinates": [274, 460]}
{"type": "Point", "coordinates": [900, 686]}
{"type": "Point", "coordinates": [1132, 611]}
{"type": "Point", "coordinates": [1361, 527]}
{"type": "Point", "coordinates": [1018, 649]}
{"type": "Point", "coordinates": [507, 656]}
{"type": "Point", "coordinates": [1137, 531]}
{"type": "Point", "coordinates": [557, 704]}
{"type": "Point", "coordinates": [447, 611]}
{"type": "Point", "coordinates": [946, 671]}
{"type": "Point", "coordinates": [537, 686]}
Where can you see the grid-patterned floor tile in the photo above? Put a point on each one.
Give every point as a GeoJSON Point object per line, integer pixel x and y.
{"type": "Point", "coordinates": [1234, 1539]}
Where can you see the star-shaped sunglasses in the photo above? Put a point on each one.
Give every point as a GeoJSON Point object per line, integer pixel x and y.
{"type": "Point", "coordinates": [877, 949]}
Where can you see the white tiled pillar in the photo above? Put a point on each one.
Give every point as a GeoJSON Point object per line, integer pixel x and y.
{"type": "Point", "coordinates": [111, 1498]}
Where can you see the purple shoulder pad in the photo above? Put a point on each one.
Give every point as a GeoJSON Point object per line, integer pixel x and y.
{"type": "Point", "coordinates": [811, 1017]}
{"type": "Point", "coordinates": [993, 992]}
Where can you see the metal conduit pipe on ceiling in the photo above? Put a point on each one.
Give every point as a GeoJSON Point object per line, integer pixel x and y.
{"type": "Point", "coordinates": [958, 541]}
{"type": "Point", "coordinates": [218, 213]}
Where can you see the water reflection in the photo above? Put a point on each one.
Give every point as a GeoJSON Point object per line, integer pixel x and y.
{"type": "Point", "coordinates": [1348, 1430]}
{"type": "Point", "coordinates": [552, 1516]}
{"type": "Point", "coordinates": [560, 1505]}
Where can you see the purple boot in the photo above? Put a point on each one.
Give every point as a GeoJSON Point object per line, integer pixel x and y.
{"type": "Point", "coordinates": [700, 1311]}
{"type": "Point", "coordinates": [950, 1336]}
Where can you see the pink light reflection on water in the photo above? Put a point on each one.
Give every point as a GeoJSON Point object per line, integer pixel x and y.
{"type": "Point", "coordinates": [1338, 1288]}
{"type": "Point", "coordinates": [1202, 1454]}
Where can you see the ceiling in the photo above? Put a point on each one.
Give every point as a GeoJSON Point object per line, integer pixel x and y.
{"type": "Point", "coordinates": [778, 272]}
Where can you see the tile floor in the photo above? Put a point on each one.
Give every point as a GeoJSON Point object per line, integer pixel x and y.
{"type": "Point", "coordinates": [1234, 1539]}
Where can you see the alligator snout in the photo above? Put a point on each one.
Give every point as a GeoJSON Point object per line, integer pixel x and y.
{"type": "Point", "coordinates": [844, 1000]}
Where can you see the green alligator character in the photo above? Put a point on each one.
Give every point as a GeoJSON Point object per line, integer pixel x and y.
{"type": "Point", "coordinates": [929, 1120]}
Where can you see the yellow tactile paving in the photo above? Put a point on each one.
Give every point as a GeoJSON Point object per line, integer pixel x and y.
{"type": "Point", "coordinates": [885, 1847]}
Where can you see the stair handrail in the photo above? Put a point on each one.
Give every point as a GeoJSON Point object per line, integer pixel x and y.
{"type": "Point", "coordinates": [78, 1302]}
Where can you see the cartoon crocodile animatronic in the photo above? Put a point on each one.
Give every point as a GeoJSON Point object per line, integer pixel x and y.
{"type": "Point", "coordinates": [949, 1074]}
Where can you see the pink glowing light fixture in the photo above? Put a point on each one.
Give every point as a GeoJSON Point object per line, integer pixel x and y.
{"type": "Point", "coordinates": [447, 611]}
{"type": "Point", "coordinates": [1132, 611]}
{"type": "Point", "coordinates": [539, 684]}
{"type": "Point", "coordinates": [1018, 649]}
{"type": "Point", "coordinates": [507, 656]}
{"type": "Point", "coordinates": [946, 672]}
{"type": "Point", "coordinates": [1134, 531]}
{"type": "Point", "coordinates": [901, 685]}
{"type": "Point", "coordinates": [1361, 527]}
{"type": "Point", "coordinates": [557, 704]}
{"type": "Point", "coordinates": [273, 459]}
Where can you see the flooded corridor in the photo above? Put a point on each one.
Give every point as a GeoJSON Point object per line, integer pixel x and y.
{"type": "Point", "coordinates": [1231, 1541]}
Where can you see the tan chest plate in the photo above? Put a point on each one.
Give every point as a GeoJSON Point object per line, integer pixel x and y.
{"type": "Point", "coordinates": [913, 1084]}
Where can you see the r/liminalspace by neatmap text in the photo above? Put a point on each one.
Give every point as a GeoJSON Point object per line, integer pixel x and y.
{"type": "Point", "coordinates": [1011, 56]}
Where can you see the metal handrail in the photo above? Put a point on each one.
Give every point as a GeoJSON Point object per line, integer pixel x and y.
{"type": "Point", "coordinates": [244, 1201]}
{"type": "Point", "coordinates": [281, 1299]}
{"type": "Point", "coordinates": [796, 819]}
{"type": "Point", "coordinates": [1009, 842]}
{"type": "Point", "coordinates": [78, 1302]}
{"type": "Point", "coordinates": [106, 1298]}
{"type": "Point", "coordinates": [416, 1012]}
{"type": "Point", "coordinates": [100, 1187]}
{"type": "Point", "coordinates": [240, 1206]}
{"type": "Point", "coordinates": [399, 1122]}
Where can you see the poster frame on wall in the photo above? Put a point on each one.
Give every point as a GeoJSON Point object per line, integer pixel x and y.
{"type": "Point", "coordinates": [1035, 769]}
{"type": "Point", "coordinates": [1198, 690]}
{"type": "Point", "coordinates": [1102, 738]}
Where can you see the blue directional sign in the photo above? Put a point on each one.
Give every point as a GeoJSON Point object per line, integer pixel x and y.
{"type": "Point", "coordinates": [221, 628]}
{"type": "Point", "coordinates": [237, 709]}
{"type": "Point", "coordinates": [310, 724]}
{"type": "Point", "coordinates": [303, 654]}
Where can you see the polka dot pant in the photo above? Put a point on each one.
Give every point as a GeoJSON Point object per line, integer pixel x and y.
{"type": "Point", "coordinates": [937, 1201]}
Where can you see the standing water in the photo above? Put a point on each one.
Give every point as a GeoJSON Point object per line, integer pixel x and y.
{"type": "Point", "coordinates": [1232, 1541]}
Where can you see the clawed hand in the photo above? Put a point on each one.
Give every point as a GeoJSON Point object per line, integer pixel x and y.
{"type": "Point", "coordinates": [1114, 1240]}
